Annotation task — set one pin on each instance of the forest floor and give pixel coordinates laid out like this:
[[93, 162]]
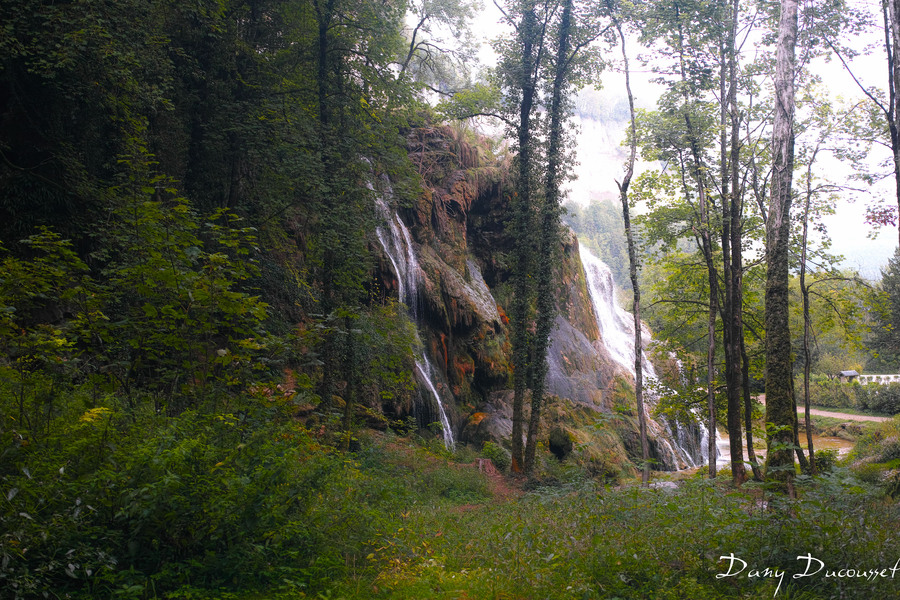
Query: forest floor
[[464, 531]]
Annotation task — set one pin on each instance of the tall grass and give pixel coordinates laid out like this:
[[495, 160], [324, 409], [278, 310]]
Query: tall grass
[[203, 511], [584, 541]]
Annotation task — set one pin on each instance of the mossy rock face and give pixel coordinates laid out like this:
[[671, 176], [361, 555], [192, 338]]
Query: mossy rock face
[[492, 422], [576, 369], [596, 443], [629, 431], [575, 300], [560, 443]]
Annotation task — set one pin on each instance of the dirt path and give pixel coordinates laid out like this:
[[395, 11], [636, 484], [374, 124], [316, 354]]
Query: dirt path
[[845, 416], [834, 414], [502, 488]]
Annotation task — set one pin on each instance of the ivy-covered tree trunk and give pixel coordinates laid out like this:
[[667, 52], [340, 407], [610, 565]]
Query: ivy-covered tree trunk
[[324, 16], [780, 412], [529, 36], [549, 232]]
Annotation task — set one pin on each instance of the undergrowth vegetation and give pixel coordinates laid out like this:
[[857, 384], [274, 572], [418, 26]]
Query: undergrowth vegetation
[[876, 397], [580, 540], [254, 505]]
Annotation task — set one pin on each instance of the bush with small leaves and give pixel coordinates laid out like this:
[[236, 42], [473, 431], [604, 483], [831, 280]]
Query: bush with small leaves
[[826, 459], [498, 455]]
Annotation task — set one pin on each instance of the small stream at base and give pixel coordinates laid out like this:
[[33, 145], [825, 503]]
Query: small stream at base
[[819, 443]]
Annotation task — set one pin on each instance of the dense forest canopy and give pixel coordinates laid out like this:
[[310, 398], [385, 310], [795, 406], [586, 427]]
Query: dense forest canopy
[[201, 321]]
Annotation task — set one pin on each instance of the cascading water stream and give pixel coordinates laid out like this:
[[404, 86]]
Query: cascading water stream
[[397, 244], [616, 327], [427, 374]]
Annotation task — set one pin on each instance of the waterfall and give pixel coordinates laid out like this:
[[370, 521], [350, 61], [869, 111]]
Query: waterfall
[[616, 327], [397, 244], [724, 451]]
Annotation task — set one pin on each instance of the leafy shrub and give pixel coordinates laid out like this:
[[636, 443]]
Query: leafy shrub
[[890, 449], [892, 484], [883, 398], [826, 459], [870, 473], [462, 485], [824, 391], [499, 455], [215, 500], [879, 444]]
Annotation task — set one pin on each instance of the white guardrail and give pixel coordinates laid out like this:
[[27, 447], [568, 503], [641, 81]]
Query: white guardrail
[[879, 378]]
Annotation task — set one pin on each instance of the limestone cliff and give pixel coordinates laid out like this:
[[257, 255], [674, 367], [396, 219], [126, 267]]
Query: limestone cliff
[[458, 230]]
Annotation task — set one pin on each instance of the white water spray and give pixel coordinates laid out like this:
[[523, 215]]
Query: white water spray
[[616, 327], [397, 244]]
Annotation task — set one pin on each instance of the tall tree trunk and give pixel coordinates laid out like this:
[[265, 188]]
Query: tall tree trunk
[[727, 308], [893, 50], [632, 269], [350, 371], [804, 291], [748, 412], [523, 228], [706, 247], [705, 243], [739, 352], [711, 361], [549, 235], [801, 458], [731, 217], [732, 325], [780, 413], [324, 85]]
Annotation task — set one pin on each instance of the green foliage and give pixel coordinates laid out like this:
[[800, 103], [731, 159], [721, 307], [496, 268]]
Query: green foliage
[[179, 320], [600, 226], [583, 542], [480, 99], [826, 460], [37, 348], [838, 320], [870, 473], [876, 457], [830, 392], [204, 506], [880, 443], [885, 304], [209, 500], [882, 398], [498, 455]]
